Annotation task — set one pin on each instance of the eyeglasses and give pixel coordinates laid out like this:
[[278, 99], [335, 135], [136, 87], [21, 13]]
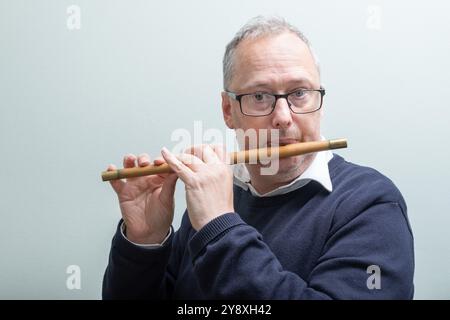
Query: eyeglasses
[[259, 104]]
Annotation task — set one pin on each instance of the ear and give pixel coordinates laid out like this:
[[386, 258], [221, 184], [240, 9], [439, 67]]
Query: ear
[[226, 110]]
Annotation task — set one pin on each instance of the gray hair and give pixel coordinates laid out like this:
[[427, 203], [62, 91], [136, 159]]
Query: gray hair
[[258, 27]]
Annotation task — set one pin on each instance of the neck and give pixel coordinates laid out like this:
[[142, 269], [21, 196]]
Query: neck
[[289, 170]]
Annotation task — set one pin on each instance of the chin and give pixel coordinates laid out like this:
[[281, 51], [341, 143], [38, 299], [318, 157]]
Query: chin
[[291, 165], [285, 168]]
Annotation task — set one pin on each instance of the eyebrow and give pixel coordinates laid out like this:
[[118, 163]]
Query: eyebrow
[[290, 83]]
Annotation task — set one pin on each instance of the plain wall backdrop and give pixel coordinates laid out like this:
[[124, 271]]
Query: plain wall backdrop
[[73, 101]]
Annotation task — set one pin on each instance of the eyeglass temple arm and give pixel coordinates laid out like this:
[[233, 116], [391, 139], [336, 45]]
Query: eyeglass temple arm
[[231, 94]]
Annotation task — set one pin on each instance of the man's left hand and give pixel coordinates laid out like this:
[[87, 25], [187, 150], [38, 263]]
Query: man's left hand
[[208, 180]]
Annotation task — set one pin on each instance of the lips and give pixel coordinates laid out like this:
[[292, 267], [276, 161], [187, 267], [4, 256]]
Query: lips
[[283, 142]]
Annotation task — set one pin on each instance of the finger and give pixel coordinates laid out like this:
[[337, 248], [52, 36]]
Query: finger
[[191, 161], [196, 150], [129, 161], [209, 155], [182, 171], [117, 185], [203, 152], [221, 152], [158, 161], [143, 160], [168, 188]]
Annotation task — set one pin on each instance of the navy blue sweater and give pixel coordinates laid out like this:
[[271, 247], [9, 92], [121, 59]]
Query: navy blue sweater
[[305, 244]]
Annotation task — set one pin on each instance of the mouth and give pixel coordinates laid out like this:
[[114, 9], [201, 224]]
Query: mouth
[[283, 142]]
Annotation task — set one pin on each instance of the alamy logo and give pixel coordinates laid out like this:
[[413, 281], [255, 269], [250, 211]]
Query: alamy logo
[[74, 18], [374, 280], [74, 279], [373, 21]]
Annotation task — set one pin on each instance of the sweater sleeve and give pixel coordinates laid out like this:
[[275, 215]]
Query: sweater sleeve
[[232, 261], [136, 272]]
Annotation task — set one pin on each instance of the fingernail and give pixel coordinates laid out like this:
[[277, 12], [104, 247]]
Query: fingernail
[[164, 150]]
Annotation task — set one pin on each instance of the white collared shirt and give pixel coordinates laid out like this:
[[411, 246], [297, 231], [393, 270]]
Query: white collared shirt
[[317, 171]]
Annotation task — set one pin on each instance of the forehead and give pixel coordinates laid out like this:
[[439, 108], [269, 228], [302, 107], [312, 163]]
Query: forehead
[[274, 61]]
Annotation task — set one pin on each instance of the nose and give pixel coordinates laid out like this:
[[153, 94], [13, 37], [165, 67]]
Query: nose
[[281, 115]]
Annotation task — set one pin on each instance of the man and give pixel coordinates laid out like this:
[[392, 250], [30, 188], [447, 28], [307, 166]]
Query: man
[[321, 228]]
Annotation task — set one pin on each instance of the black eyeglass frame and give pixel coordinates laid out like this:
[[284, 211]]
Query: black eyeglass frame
[[238, 97]]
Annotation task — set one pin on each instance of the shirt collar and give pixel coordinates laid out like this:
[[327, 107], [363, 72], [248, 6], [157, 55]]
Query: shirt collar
[[317, 171]]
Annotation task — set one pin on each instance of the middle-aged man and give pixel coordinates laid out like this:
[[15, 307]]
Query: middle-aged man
[[320, 228]]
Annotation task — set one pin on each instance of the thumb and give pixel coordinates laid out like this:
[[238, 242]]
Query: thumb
[[168, 188], [116, 184]]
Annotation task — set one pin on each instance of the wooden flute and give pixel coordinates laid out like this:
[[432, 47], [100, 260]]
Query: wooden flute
[[244, 156]]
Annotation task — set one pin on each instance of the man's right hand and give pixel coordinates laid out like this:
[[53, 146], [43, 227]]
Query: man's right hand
[[147, 203]]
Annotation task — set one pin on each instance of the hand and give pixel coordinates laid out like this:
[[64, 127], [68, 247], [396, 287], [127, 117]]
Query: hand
[[146, 203], [208, 180]]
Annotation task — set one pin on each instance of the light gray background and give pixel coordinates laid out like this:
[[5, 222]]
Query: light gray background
[[71, 102]]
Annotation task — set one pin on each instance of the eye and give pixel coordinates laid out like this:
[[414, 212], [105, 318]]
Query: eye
[[299, 93], [258, 96]]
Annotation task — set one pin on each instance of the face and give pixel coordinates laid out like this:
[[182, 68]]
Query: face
[[275, 64]]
